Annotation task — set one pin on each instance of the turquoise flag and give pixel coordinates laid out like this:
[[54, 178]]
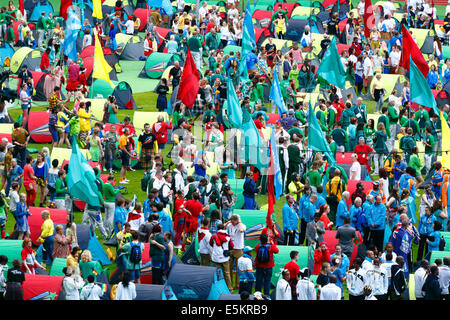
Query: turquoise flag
[[316, 137], [253, 149], [420, 90], [331, 68], [233, 106], [275, 93], [248, 41], [81, 178]]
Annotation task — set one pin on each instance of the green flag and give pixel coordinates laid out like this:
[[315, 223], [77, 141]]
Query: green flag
[[316, 137], [331, 69], [253, 149], [420, 90]]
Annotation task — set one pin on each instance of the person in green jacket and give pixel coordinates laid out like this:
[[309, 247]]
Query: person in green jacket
[[414, 125], [42, 26], [393, 119], [430, 143], [379, 145], [295, 129], [110, 204], [306, 79], [212, 43], [320, 114], [340, 136], [260, 89], [60, 190], [4, 16], [313, 176], [346, 115], [421, 116], [195, 47], [407, 143], [300, 113], [385, 120], [331, 115], [415, 163], [333, 145], [284, 84]]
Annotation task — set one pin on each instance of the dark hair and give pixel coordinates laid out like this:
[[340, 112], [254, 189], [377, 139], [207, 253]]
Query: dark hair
[[263, 238], [245, 295], [3, 259], [293, 254], [125, 279], [55, 163], [437, 225], [90, 278]]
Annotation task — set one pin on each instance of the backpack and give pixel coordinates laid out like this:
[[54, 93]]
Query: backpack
[[442, 244], [145, 181], [263, 254], [136, 253], [164, 200]]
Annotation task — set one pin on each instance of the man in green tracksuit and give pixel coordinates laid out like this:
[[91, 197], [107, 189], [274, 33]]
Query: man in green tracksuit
[[340, 136], [331, 116], [195, 46], [412, 123], [393, 120], [60, 190], [384, 119], [320, 115], [42, 27], [346, 115], [110, 203], [212, 43], [430, 143], [407, 142], [421, 116]]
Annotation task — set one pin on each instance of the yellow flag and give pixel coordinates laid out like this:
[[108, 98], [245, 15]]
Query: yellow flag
[[445, 143], [101, 67], [97, 9]]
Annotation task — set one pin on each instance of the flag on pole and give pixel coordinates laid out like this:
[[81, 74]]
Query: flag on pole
[[248, 41], [420, 90], [189, 83], [97, 9], [331, 68], [275, 93], [316, 137], [233, 106], [81, 178], [65, 4], [252, 147], [274, 166], [369, 19], [73, 26], [445, 143], [101, 66], [410, 49]]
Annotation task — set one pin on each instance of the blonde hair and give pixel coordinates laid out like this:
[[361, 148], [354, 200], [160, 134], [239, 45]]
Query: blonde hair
[[86, 256]]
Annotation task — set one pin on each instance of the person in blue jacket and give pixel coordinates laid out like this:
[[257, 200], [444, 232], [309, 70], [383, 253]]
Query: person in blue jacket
[[434, 239], [307, 192], [357, 215], [320, 198], [376, 220], [249, 191], [164, 218], [408, 181], [426, 222], [432, 77], [308, 212], [342, 209], [290, 220], [367, 208]]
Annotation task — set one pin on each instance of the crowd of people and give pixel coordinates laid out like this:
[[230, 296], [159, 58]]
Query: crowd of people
[[180, 207]]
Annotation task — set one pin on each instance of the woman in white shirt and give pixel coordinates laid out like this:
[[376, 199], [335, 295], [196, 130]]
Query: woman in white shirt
[[87, 39], [72, 284], [224, 34], [126, 290]]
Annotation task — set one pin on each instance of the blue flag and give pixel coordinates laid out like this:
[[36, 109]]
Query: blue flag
[[248, 42], [278, 182], [81, 178], [253, 150], [275, 93], [233, 106], [73, 26], [165, 5]]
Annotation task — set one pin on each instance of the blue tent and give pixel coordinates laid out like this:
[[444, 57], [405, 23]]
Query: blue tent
[[154, 292], [40, 7], [6, 51], [190, 282]]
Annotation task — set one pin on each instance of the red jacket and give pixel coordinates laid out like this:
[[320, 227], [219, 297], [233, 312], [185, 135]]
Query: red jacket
[[45, 62], [272, 249], [319, 258], [159, 129]]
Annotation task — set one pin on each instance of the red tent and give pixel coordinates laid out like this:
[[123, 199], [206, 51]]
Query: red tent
[[7, 136], [273, 118], [89, 51], [38, 127], [330, 239], [415, 106], [42, 287], [262, 14], [141, 13], [59, 216], [258, 33], [344, 157], [342, 24], [341, 47], [328, 3], [351, 187]]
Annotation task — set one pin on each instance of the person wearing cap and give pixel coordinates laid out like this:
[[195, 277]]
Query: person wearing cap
[[376, 191], [283, 289], [245, 270]]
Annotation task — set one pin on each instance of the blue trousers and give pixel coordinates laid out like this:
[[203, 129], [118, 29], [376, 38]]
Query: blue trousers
[[48, 250], [263, 277], [249, 203]]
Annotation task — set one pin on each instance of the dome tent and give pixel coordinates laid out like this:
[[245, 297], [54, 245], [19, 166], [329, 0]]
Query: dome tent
[[124, 96], [132, 47], [25, 56], [6, 51], [37, 7], [156, 63]]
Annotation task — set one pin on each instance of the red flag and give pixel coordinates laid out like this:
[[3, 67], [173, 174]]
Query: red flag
[[189, 83], [21, 7], [270, 190], [65, 4], [410, 49], [369, 19]]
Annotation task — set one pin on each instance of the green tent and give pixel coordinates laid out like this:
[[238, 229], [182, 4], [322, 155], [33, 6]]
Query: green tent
[[12, 249], [255, 221], [237, 185], [283, 257], [101, 89], [446, 236], [230, 48], [446, 52], [58, 265], [439, 255], [156, 63]]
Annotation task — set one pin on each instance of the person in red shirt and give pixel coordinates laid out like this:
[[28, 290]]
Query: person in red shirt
[[294, 270], [324, 210], [194, 208], [179, 219], [264, 268], [271, 233], [159, 129], [363, 150], [82, 81], [45, 61], [321, 255], [259, 122]]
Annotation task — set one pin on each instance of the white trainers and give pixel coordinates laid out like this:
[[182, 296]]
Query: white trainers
[[124, 182]]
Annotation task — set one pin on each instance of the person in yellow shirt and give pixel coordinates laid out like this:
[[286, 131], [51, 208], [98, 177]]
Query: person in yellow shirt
[[72, 261], [85, 122], [296, 187], [125, 155], [334, 188], [46, 237]]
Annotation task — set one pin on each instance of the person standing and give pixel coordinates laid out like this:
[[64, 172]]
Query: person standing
[[331, 291], [356, 281], [294, 270], [72, 284], [236, 230], [46, 236], [147, 140], [134, 250], [125, 156], [290, 220], [305, 287], [204, 235], [283, 289], [377, 278], [376, 220], [221, 244], [315, 231], [419, 279], [91, 291], [264, 263], [249, 191], [398, 280], [14, 281], [60, 190], [126, 289], [321, 255], [245, 270], [431, 288], [109, 204], [346, 233]]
